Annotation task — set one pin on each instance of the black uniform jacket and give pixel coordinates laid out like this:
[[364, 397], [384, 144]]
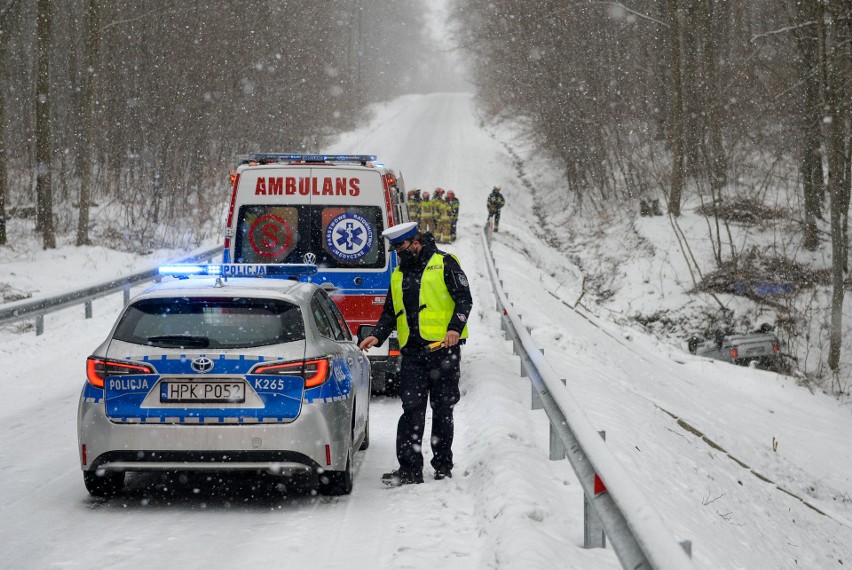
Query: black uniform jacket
[[412, 273]]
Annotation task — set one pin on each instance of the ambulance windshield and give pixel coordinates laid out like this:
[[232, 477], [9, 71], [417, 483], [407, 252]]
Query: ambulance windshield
[[338, 236]]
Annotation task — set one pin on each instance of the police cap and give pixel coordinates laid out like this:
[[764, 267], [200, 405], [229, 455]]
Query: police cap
[[401, 232]]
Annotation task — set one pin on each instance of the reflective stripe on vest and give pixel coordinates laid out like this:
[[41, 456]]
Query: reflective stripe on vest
[[435, 299]]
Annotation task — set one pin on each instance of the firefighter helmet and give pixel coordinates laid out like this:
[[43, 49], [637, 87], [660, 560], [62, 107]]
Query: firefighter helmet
[[451, 195], [439, 192], [424, 196]]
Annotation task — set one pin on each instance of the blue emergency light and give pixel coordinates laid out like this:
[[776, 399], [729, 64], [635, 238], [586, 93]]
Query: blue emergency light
[[279, 270], [282, 157]]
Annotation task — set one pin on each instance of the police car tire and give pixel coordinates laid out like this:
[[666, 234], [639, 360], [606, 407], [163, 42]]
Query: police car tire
[[366, 443], [337, 482], [103, 483]]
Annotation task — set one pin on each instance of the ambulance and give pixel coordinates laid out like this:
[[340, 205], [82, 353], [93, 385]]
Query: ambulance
[[328, 211]]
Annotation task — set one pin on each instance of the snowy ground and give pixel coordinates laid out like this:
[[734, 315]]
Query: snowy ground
[[750, 466]]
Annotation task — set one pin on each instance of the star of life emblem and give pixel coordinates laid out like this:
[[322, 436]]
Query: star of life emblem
[[349, 236]]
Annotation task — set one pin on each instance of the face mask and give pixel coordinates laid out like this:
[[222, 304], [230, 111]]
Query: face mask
[[406, 256]]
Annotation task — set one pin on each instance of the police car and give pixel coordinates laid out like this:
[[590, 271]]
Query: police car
[[230, 369]]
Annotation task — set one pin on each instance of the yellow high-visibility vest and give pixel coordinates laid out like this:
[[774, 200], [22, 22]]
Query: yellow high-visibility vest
[[435, 300]]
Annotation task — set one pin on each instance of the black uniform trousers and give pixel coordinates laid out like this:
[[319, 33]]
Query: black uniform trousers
[[433, 378]]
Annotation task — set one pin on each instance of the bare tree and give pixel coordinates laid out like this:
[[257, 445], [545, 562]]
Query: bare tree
[[808, 29], [838, 70], [6, 23], [92, 64], [675, 130], [44, 146]]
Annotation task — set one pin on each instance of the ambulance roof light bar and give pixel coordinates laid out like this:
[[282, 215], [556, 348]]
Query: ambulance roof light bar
[[272, 157], [274, 270]]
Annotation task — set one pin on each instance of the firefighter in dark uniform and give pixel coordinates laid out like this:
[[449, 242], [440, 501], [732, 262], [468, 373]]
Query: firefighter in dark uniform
[[428, 302]]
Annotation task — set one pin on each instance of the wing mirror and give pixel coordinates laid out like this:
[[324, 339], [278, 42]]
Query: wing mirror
[[364, 331]]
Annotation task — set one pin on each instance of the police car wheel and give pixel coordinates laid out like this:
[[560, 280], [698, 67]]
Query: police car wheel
[[366, 443], [103, 483], [337, 482]]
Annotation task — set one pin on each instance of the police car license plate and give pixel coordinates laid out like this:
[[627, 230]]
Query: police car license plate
[[207, 392]]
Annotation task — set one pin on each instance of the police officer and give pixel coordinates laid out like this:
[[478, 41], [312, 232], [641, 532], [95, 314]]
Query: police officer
[[428, 302]]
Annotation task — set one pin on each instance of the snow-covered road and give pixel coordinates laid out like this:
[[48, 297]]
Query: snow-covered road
[[507, 505]]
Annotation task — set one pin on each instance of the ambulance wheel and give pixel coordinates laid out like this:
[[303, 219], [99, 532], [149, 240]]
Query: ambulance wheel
[[100, 483], [391, 385]]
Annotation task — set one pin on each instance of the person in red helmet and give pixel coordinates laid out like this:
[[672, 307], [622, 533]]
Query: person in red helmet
[[441, 217], [427, 213], [495, 204], [414, 205], [453, 207]]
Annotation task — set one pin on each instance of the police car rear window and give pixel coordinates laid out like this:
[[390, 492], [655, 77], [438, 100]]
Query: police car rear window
[[210, 323], [336, 236]]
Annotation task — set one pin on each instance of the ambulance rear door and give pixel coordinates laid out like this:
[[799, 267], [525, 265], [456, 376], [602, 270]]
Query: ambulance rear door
[[330, 215]]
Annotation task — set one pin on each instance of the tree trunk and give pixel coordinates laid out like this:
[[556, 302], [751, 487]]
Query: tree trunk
[[676, 111], [813, 183], [716, 150], [44, 195], [837, 67], [5, 30], [86, 146]]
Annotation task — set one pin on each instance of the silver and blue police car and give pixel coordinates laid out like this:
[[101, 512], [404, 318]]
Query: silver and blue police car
[[227, 372]]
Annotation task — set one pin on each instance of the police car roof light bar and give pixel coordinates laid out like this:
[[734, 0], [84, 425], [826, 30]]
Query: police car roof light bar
[[269, 157], [279, 270]]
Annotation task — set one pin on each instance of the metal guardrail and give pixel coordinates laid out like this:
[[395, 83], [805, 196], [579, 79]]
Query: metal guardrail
[[36, 309], [614, 505]]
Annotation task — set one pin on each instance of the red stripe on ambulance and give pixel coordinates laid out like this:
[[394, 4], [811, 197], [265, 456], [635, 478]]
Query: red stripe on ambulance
[[292, 185]]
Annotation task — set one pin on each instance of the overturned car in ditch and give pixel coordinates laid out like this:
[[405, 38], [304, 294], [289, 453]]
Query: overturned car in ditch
[[760, 348]]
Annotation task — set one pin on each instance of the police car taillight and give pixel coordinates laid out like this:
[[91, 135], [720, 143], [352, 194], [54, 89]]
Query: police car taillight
[[734, 353], [315, 372], [97, 369]]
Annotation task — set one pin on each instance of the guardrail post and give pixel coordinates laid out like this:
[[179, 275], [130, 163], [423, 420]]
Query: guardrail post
[[88, 305], [594, 535], [126, 292], [687, 547], [535, 400], [39, 325], [557, 448]]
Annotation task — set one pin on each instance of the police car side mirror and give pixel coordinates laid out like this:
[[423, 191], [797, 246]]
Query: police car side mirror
[[364, 331]]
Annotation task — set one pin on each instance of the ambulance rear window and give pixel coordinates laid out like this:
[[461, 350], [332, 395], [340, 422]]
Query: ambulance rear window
[[339, 236]]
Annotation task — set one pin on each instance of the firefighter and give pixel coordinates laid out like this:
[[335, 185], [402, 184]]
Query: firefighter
[[414, 205], [427, 209], [429, 309], [495, 204], [441, 216], [453, 207]]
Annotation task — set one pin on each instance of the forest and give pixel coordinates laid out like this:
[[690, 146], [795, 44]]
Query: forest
[[139, 108], [648, 101]]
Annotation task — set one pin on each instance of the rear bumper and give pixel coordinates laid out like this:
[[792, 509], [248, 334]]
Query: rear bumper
[[281, 448]]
